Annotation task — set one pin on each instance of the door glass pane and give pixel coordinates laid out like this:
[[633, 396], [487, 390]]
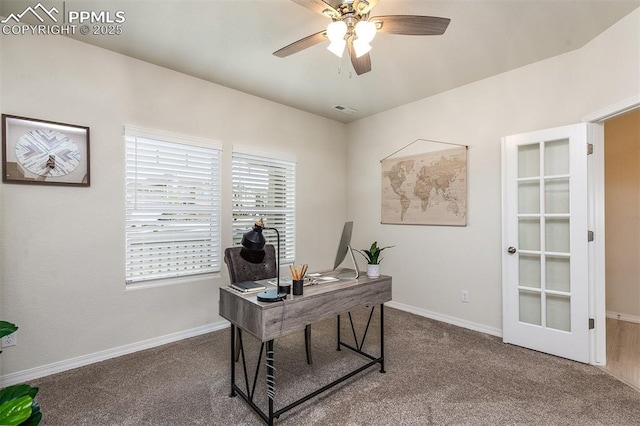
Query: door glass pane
[[557, 273], [556, 157], [529, 270], [529, 160], [556, 196], [557, 235], [530, 307], [529, 197], [529, 234], [559, 312]]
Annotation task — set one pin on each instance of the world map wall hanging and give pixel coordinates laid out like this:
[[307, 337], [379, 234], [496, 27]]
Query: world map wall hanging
[[426, 188]]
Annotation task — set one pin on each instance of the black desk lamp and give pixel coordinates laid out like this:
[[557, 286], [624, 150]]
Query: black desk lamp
[[254, 240]]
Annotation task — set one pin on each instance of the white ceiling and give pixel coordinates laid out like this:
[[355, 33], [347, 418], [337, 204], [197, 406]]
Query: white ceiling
[[230, 42]]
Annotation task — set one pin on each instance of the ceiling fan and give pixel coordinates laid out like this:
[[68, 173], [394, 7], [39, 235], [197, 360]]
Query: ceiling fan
[[352, 27]]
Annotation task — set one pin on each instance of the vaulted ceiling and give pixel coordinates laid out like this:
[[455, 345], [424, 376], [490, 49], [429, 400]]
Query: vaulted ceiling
[[230, 42]]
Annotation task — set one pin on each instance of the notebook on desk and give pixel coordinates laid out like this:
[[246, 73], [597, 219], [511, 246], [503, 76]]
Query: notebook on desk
[[248, 286]]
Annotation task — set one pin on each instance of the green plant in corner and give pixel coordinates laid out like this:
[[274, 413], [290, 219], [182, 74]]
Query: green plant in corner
[[17, 403], [373, 254]]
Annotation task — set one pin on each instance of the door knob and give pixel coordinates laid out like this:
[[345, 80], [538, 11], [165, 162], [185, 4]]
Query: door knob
[[511, 250]]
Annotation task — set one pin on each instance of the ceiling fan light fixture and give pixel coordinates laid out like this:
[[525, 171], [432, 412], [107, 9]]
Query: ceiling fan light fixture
[[361, 47], [366, 31], [336, 31], [352, 27], [362, 5], [337, 47], [329, 13]]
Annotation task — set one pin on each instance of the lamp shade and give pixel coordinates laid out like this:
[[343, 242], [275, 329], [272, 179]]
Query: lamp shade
[[254, 240], [365, 31], [361, 47], [336, 30], [337, 47]]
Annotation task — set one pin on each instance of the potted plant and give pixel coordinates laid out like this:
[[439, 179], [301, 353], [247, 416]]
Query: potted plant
[[17, 403], [373, 259]]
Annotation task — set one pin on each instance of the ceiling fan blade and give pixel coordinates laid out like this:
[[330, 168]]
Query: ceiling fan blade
[[362, 64], [411, 24], [364, 6], [301, 44], [320, 7]]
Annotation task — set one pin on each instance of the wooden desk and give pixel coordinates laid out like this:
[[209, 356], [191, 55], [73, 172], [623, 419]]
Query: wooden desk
[[268, 321]]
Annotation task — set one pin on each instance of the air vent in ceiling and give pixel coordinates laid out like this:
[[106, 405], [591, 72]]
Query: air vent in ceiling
[[345, 109]]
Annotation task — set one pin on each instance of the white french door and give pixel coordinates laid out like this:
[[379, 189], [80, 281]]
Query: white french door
[[545, 275]]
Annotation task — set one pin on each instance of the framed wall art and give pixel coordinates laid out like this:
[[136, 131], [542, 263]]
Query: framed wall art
[[428, 187], [44, 152]]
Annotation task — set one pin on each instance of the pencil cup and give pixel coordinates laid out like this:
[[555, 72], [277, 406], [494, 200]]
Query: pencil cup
[[297, 287]]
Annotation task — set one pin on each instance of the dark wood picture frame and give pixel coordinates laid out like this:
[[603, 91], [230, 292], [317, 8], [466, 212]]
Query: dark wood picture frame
[[42, 152]]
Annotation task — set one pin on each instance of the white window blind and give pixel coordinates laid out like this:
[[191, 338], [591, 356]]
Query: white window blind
[[265, 188], [172, 209]]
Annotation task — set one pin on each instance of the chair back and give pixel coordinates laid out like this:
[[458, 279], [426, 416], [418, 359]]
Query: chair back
[[247, 265]]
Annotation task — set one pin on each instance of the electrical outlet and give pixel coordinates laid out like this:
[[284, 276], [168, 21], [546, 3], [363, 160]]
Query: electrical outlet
[[464, 297], [10, 340]]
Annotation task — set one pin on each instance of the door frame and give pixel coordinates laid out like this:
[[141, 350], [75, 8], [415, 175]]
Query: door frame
[[596, 185]]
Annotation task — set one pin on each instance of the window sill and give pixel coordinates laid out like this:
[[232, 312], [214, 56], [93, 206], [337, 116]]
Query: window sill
[[164, 282]]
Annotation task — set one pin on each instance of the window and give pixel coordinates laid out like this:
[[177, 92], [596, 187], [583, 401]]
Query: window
[[264, 187], [172, 226]]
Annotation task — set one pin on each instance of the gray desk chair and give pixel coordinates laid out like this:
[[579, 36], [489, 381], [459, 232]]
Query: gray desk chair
[[247, 265]]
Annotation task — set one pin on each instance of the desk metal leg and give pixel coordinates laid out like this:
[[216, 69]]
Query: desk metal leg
[[307, 343], [382, 338], [359, 345], [233, 360], [249, 392], [272, 414], [271, 390], [338, 336]]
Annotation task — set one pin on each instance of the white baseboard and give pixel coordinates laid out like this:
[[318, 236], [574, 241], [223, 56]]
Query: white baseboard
[[81, 361], [69, 364], [623, 317], [446, 318]]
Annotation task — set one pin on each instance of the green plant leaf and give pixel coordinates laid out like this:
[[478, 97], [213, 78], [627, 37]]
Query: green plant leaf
[[36, 415], [7, 328], [15, 411], [363, 255], [17, 403], [17, 391], [373, 254]]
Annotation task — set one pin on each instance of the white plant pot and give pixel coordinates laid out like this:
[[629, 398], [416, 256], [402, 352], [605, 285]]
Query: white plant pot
[[373, 271]]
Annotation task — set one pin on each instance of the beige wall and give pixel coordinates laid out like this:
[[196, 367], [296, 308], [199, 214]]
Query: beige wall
[[622, 194], [431, 265], [62, 249]]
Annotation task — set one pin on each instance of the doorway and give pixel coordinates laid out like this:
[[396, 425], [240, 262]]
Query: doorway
[[622, 240], [597, 265], [545, 282]]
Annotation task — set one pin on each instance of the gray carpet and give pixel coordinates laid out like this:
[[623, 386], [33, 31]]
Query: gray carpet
[[436, 374]]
